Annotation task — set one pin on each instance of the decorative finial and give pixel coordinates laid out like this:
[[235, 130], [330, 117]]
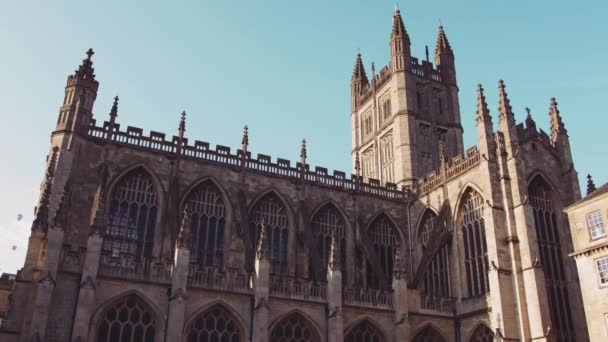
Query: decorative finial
[[530, 123], [396, 7], [557, 125], [590, 184], [483, 113], [182, 125], [357, 164], [90, 53], [426, 50], [505, 110]]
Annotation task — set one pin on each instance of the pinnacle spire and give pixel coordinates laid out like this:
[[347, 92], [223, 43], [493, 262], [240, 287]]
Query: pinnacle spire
[[359, 71], [483, 113], [398, 26], [557, 125], [245, 140], [114, 110], [85, 70], [183, 239], [333, 261], [590, 184], [357, 165], [504, 106], [303, 154], [182, 124], [443, 45]]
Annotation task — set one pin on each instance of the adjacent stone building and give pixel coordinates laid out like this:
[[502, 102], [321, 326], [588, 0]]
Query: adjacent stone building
[[148, 237], [588, 219]]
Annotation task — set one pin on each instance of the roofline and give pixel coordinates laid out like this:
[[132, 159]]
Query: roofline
[[584, 201]]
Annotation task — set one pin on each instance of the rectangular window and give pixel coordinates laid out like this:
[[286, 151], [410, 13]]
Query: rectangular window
[[596, 225], [602, 270]]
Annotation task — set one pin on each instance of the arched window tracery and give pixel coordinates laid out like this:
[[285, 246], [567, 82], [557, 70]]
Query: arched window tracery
[[129, 234], [215, 324], [385, 241], [364, 332], [129, 319], [482, 334], [328, 221], [475, 244], [436, 281], [294, 328], [271, 213], [547, 233], [428, 334], [207, 225]]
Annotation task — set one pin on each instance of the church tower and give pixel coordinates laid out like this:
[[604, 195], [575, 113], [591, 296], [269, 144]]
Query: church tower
[[402, 115]]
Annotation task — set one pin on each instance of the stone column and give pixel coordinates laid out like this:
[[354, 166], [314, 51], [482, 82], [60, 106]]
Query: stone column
[[334, 295], [401, 325], [179, 283], [86, 294], [261, 289]]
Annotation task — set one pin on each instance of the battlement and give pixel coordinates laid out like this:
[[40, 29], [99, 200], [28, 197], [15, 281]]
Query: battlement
[[222, 155], [454, 168], [530, 133], [424, 70]]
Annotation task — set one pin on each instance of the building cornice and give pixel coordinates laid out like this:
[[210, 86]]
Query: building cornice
[[590, 250]]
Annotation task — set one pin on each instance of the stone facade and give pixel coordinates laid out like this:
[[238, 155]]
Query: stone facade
[[588, 219], [160, 238]]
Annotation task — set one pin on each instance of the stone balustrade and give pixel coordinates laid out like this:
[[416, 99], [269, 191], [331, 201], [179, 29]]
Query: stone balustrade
[[211, 278], [294, 288], [146, 270], [368, 298], [441, 304]]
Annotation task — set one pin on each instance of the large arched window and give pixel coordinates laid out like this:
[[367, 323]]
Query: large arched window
[[436, 281], [547, 233], [129, 319], [482, 334], [271, 213], [428, 334], [328, 221], [385, 241], [364, 332], [129, 235], [294, 328], [215, 324], [207, 223], [475, 245]]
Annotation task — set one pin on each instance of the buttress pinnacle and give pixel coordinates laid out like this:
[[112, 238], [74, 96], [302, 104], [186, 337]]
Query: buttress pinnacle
[[359, 71], [504, 106], [483, 113], [443, 45], [398, 26], [85, 70], [590, 184], [557, 125]]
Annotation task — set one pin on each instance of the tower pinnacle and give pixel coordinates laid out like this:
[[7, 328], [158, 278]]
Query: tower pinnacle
[[85, 70], [590, 184], [398, 26], [443, 45], [483, 113], [557, 125], [504, 106], [359, 71]]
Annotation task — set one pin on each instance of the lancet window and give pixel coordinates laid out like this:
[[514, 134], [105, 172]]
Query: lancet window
[[475, 244], [482, 334], [215, 324], [271, 213], [547, 231], [129, 234], [364, 332], [385, 241], [207, 224], [129, 319], [437, 276], [328, 221], [386, 150], [428, 334], [294, 328]]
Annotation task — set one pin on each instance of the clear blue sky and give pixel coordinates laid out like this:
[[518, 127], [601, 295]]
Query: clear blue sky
[[283, 68]]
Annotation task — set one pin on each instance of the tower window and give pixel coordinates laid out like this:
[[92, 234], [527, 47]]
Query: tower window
[[602, 270], [596, 225]]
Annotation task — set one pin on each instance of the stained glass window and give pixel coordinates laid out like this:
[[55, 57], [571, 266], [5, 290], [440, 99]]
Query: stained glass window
[[293, 328], [128, 320], [475, 245], [215, 325], [271, 212]]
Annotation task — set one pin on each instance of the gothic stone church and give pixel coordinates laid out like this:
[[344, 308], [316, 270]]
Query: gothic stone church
[[147, 237]]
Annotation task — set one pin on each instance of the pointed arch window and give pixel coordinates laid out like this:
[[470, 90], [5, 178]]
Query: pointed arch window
[[271, 212], [207, 225], [475, 244], [215, 324], [428, 334], [482, 334], [385, 241], [547, 234], [364, 332], [294, 328], [129, 235], [436, 281], [129, 319], [328, 221]]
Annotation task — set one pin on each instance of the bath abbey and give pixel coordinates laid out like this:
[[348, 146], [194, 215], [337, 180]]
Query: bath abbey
[[146, 237]]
